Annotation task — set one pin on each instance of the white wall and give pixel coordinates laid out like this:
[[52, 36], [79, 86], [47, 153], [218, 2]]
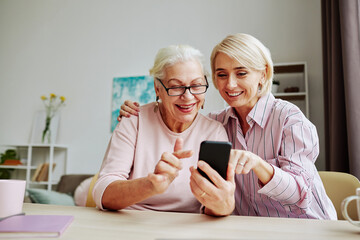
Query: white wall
[[75, 48]]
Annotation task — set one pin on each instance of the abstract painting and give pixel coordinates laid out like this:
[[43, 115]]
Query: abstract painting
[[138, 88]]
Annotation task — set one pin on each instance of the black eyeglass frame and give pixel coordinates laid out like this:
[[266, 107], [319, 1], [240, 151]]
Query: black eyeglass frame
[[185, 88]]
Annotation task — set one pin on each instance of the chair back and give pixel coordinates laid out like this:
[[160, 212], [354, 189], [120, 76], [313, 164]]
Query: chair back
[[89, 200], [338, 186]]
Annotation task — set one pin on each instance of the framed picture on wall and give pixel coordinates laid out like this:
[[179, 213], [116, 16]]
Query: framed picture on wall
[[137, 88]]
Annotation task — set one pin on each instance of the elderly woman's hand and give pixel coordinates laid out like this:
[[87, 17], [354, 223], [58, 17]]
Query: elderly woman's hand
[[167, 169], [246, 161], [127, 109], [218, 198]]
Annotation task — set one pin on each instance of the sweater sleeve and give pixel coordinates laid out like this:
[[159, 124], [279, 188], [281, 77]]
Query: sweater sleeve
[[118, 158]]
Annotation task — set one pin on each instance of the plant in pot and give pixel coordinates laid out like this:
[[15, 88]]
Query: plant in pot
[[9, 154], [275, 86]]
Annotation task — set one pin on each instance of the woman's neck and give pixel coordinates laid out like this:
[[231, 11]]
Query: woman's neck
[[241, 115], [242, 112]]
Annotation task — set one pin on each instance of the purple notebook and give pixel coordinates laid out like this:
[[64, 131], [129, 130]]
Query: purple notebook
[[34, 226]]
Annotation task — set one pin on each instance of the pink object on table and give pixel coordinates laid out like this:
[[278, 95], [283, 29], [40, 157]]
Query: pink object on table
[[12, 197], [35, 225]]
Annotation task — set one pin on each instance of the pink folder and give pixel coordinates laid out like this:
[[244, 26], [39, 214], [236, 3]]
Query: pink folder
[[34, 226]]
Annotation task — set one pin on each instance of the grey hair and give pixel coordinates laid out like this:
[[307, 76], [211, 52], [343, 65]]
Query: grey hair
[[250, 53], [172, 54]]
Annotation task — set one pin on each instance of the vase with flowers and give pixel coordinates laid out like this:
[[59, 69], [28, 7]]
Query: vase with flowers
[[52, 105]]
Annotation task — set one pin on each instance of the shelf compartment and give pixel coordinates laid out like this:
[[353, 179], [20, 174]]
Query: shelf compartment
[[285, 68], [293, 74], [35, 155]]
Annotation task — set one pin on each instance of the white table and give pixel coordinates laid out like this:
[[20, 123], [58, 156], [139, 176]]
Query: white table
[[91, 223]]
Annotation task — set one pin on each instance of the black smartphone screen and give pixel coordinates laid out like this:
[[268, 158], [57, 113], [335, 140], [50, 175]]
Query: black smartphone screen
[[216, 154]]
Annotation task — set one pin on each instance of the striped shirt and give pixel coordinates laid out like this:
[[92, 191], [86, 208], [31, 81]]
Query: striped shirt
[[281, 135]]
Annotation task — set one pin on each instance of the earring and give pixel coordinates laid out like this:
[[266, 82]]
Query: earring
[[202, 107], [259, 89], [156, 104]]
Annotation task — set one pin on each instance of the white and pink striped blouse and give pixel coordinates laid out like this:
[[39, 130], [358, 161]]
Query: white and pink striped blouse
[[281, 135]]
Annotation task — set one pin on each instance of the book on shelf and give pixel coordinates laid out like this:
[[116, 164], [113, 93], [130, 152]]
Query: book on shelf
[[42, 172], [34, 226], [36, 174]]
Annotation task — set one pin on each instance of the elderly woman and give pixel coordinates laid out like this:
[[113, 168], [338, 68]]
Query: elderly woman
[[275, 144], [145, 165]]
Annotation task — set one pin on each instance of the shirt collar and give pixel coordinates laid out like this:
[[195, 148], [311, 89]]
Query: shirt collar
[[230, 113], [259, 113], [262, 110]]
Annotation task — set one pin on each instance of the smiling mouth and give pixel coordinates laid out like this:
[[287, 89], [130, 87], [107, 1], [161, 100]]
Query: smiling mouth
[[186, 106], [234, 94]]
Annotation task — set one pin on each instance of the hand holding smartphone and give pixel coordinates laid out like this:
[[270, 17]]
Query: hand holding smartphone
[[216, 154]]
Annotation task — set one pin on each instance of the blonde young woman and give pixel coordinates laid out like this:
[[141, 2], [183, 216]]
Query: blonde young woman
[[146, 165], [275, 145]]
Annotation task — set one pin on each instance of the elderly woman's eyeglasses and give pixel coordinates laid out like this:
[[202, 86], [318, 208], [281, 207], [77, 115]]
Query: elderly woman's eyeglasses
[[178, 91]]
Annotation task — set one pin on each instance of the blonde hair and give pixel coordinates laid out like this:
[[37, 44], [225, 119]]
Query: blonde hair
[[172, 54], [250, 53]]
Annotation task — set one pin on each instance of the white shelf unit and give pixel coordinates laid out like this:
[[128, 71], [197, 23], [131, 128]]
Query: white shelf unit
[[35, 155], [293, 74]]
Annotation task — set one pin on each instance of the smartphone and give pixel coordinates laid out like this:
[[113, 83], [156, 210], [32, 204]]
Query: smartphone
[[216, 154]]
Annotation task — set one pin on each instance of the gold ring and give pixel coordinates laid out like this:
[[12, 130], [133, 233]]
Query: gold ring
[[203, 194]]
